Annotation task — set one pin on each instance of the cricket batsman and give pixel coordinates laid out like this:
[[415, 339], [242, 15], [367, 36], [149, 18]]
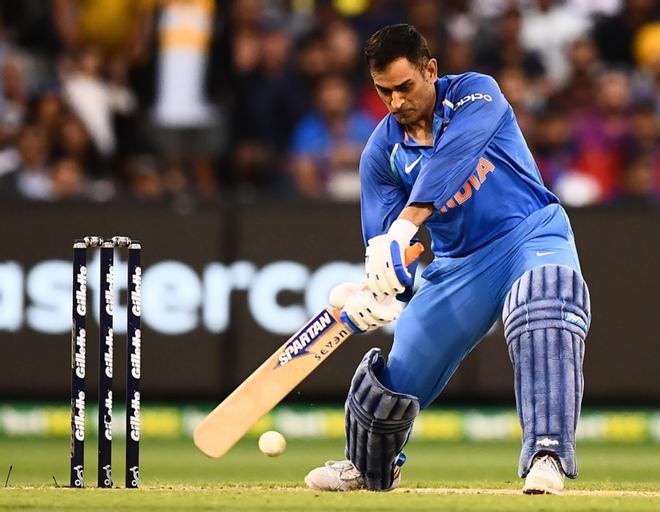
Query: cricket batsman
[[450, 156]]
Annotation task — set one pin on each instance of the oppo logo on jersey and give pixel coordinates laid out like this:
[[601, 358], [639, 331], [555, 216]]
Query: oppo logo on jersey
[[473, 183], [473, 97]]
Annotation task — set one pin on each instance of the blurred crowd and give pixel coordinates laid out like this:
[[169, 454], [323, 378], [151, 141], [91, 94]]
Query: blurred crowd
[[167, 99]]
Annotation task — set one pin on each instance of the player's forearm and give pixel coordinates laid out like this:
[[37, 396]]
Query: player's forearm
[[417, 213], [404, 228]]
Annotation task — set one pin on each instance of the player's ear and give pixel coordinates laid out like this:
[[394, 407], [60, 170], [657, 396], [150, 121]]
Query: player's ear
[[431, 70]]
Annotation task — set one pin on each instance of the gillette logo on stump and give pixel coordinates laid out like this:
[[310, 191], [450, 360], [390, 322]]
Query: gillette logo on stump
[[80, 353], [136, 294], [81, 292], [110, 291], [134, 420], [136, 354], [79, 417], [107, 419]]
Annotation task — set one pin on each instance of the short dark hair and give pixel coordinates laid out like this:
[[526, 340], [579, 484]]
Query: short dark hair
[[393, 42]]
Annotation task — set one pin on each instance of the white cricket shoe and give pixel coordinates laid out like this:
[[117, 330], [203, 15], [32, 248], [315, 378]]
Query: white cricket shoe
[[341, 476], [544, 477]]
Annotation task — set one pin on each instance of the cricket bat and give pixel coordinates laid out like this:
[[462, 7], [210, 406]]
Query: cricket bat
[[269, 384]]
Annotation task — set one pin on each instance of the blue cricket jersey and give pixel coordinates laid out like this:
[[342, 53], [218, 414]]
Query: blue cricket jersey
[[479, 174]]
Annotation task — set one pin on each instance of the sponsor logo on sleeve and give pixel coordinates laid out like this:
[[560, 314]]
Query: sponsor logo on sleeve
[[473, 97]]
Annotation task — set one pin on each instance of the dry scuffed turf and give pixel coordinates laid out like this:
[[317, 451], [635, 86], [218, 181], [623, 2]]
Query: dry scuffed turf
[[438, 476]]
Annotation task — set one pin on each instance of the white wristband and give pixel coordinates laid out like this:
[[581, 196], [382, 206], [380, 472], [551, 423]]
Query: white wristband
[[402, 231]]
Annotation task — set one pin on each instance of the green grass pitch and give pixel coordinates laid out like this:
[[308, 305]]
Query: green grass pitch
[[437, 476]]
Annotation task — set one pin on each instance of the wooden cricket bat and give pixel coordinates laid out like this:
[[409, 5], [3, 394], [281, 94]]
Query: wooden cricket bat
[[269, 384]]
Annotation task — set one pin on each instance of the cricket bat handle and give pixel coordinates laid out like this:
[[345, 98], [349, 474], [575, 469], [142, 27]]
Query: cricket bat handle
[[413, 252]]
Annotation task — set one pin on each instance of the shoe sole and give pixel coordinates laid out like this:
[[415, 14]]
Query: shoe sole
[[311, 485], [535, 490], [540, 488]]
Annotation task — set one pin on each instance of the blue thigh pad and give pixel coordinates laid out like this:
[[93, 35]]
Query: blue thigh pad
[[546, 319], [378, 423]]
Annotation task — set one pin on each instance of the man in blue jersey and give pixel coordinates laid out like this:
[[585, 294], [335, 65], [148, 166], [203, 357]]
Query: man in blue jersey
[[450, 156]]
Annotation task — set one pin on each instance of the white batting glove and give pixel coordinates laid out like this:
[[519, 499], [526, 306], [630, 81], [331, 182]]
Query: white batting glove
[[340, 293], [387, 274], [363, 312]]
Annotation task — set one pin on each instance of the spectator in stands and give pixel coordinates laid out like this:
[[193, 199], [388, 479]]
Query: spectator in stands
[[30, 178], [595, 7], [641, 181], [189, 128], [29, 25], [344, 51], [47, 111], [426, 16], [326, 145], [523, 97], [67, 179], [94, 100], [645, 137], [548, 28], [74, 142], [14, 99], [456, 57], [268, 112], [250, 157], [502, 48], [144, 179], [461, 21], [376, 15], [580, 86], [601, 132], [28, 28], [118, 28], [614, 34], [647, 58], [553, 147]]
